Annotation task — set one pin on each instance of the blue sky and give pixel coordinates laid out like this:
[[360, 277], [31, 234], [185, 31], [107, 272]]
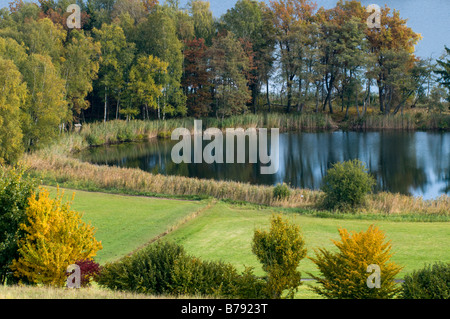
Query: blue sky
[[430, 18]]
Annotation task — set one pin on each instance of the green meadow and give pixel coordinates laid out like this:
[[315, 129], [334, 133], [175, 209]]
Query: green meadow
[[126, 223], [223, 231]]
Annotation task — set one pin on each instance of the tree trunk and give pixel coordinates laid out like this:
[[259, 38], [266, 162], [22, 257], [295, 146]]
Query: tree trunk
[[289, 95], [106, 104], [267, 93], [117, 108], [317, 98], [357, 106]]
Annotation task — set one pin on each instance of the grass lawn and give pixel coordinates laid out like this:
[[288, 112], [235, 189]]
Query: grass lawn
[[125, 223], [225, 232]]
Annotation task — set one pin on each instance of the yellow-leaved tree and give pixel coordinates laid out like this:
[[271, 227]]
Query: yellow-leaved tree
[[347, 271], [55, 237]]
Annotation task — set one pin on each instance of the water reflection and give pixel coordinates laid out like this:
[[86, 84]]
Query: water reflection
[[415, 163]]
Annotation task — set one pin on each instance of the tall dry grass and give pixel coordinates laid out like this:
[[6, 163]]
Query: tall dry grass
[[55, 162], [94, 292], [117, 131], [70, 172]]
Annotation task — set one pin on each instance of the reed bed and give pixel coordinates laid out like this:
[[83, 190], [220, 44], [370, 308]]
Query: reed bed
[[56, 162], [407, 121], [70, 172], [117, 131]]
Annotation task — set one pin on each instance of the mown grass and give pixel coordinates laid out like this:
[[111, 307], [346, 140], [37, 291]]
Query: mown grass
[[126, 223], [225, 232]]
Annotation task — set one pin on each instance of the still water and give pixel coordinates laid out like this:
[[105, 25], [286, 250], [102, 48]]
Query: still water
[[414, 163]]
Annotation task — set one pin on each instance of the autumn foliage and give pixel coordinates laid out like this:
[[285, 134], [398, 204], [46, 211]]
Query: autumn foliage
[[55, 237], [344, 272]]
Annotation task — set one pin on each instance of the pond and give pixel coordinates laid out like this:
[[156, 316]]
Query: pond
[[413, 163]]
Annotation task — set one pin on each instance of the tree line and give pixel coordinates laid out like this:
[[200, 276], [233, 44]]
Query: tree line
[[149, 60]]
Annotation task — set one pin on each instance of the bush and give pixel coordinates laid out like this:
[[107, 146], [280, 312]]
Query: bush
[[149, 270], [280, 251], [55, 238], [249, 286], [164, 268], [164, 134], [344, 273], [346, 185], [281, 191], [125, 134], [431, 282], [95, 140], [89, 271], [192, 276], [15, 190]]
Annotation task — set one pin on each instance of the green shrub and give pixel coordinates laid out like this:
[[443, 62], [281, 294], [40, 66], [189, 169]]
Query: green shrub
[[192, 276], [125, 134], [346, 185], [146, 271], [15, 189], [165, 268], [249, 286], [281, 191], [431, 282], [164, 134], [280, 251], [94, 140]]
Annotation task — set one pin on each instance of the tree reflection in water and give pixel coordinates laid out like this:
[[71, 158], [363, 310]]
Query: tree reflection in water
[[414, 163]]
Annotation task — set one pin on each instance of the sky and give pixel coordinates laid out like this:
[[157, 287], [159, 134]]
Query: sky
[[429, 18]]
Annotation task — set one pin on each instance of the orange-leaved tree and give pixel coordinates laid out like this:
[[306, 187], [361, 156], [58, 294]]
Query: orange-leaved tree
[[346, 273], [55, 237]]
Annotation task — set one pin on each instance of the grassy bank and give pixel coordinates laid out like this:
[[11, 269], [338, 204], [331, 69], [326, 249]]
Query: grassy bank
[[223, 231], [72, 173]]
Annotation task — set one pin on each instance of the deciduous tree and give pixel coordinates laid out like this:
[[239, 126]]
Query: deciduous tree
[[229, 63], [196, 78], [117, 55], [146, 83], [79, 70], [55, 237], [13, 93]]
